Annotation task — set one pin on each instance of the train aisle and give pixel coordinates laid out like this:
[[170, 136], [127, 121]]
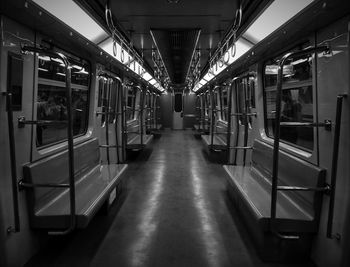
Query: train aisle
[[176, 213]]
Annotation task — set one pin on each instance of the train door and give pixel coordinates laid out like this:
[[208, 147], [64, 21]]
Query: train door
[[109, 119], [244, 122], [189, 107], [178, 111], [16, 83]]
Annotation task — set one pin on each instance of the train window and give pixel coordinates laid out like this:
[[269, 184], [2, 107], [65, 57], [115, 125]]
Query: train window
[[178, 103], [240, 101], [224, 103], [15, 79], [207, 103], [217, 104], [251, 92], [52, 101], [297, 100], [112, 99], [130, 103]]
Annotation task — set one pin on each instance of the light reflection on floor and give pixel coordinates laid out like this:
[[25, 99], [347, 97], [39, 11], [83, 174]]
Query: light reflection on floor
[[207, 230], [148, 221]]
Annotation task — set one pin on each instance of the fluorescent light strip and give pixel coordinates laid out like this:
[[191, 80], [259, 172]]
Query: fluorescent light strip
[[274, 16], [75, 17]]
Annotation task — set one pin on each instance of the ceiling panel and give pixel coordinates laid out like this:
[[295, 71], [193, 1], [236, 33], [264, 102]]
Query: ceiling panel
[[138, 17]]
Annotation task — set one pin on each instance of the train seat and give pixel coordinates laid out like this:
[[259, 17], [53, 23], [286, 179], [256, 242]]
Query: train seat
[[50, 207], [218, 142], [297, 212], [136, 144]]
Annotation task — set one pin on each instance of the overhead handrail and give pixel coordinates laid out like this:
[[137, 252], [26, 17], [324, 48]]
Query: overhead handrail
[[12, 143], [274, 186], [72, 221], [334, 169]]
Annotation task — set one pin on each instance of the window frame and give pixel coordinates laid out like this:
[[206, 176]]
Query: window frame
[[132, 115], [298, 150], [72, 59]]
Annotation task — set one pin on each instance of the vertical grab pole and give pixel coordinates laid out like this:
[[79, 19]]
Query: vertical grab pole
[[334, 165], [117, 114], [141, 114], [245, 81], [17, 227], [276, 143], [70, 144], [278, 123], [212, 115], [69, 134], [107, 112], [229, 117], [123, 120], [235, 81], [70, 148]]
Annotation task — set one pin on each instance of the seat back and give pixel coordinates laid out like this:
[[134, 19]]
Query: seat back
[[292, 171], [54, 169]]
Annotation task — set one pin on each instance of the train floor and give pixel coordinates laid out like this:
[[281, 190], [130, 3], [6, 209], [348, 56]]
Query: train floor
[[174, 211]]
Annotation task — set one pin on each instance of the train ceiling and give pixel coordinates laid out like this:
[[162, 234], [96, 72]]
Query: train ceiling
[[175, 24]]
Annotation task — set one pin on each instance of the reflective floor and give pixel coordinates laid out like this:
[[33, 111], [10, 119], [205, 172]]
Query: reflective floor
[[174, 211]]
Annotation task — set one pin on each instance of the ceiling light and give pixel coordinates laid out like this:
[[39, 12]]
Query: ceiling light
[[75, 17], [274, 16]]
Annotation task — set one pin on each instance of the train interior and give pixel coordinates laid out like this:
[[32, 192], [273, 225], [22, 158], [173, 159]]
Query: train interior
[[174, 133]]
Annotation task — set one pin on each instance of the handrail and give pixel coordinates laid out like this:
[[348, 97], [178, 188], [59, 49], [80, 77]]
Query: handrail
[[142, 99], [118, 115], [69, 134], [212, 115], [229, 110], [107, 86], [123, 120], [334, 166], [12, 144], [275, 157], [22, 121]]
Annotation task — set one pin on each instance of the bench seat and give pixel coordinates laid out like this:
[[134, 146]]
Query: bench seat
[[218, 143], [135, 142], [49, 207], [297, 213], [255, 195]]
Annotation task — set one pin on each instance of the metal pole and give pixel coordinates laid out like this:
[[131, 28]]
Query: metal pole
[[13, 165], [277, 126], [334, 165]]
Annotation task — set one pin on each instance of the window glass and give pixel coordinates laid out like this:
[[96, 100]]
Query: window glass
[[207, 103], [241, 101], [224, 103], [52, 101], [216, 99], [178, 103], [130, 103], [297, 100], [15, 79]]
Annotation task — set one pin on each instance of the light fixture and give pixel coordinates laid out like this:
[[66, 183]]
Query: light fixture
[[75, 17], [274, 16]]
